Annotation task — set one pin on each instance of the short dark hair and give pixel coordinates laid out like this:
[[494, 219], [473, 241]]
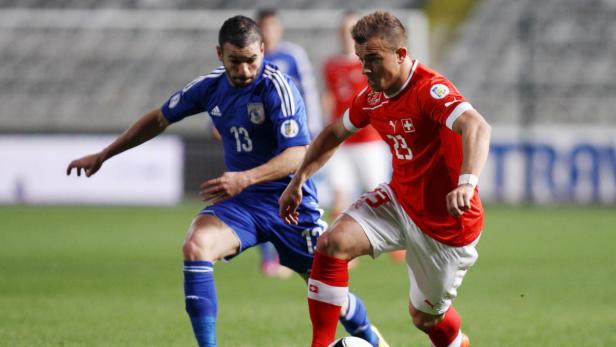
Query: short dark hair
[[383, 25], [239, 31]]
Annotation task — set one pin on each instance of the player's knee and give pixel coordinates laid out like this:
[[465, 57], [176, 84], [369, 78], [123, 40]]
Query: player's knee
[[191, 250], [198, 246], [423, 321], [333, 244]]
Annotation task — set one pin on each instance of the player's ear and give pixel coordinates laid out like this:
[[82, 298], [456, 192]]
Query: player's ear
[[262, 47], [401, 54], [219, 52]]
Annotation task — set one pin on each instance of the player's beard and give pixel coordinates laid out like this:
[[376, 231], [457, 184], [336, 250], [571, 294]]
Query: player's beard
[[242, 81], [375, 85]]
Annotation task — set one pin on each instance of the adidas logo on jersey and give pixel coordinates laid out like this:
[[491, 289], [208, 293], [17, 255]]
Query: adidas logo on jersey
[[216, 111]]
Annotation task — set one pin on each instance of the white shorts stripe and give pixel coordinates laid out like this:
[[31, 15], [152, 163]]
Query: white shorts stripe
[[320, 291]]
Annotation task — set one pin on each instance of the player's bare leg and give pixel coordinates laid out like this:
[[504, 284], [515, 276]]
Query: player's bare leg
[[208, 240], [443, 330], [328, 283], [340, 204]]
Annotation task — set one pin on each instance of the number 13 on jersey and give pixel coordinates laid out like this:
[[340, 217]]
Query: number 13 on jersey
[[243, 143]]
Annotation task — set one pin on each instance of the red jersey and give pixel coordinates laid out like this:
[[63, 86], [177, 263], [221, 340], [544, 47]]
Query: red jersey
[[344, 79], [416, 123]]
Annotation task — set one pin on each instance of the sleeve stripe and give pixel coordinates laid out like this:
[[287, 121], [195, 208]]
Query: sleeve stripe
[[285, 111], [215, 73], [346, 120], [284, 90], [457, 112], [287, 88]]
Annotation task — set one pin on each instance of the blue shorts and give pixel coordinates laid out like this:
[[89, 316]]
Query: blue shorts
[[254, 219]]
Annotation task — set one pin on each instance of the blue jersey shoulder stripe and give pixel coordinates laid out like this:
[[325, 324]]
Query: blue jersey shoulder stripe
[[285, 110], [284, 90], [215, 73], [285, 87]]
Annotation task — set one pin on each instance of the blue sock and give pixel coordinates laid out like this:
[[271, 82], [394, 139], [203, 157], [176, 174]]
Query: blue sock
[[356, 321], [201, 300]]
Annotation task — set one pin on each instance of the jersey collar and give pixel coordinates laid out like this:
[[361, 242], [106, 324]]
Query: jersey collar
[[408, 79]]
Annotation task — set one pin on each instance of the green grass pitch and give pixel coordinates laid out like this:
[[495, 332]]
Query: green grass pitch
[[111, 276]]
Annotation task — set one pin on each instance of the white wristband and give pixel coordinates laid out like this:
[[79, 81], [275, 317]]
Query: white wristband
[[468, 179]]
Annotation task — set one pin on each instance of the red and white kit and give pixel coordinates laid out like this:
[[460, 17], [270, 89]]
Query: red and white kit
[[417, 123]]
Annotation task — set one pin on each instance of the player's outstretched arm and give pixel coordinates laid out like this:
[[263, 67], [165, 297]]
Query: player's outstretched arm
[[232, 183], [147, 127], [319, 152], [475, 133]]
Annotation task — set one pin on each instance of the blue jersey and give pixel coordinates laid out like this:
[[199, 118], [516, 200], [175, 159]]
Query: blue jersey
[[256, 122], [293, 60]]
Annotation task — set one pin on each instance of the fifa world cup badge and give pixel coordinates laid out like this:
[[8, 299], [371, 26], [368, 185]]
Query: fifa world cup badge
[[289, 128], [256, 112], [439, 91]]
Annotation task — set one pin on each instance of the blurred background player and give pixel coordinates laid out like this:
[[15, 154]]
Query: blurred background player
[[291, 59], [363, 160], [261, 118], [431, 207]]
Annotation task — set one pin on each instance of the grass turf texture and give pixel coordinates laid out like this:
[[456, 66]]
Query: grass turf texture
[[112, 276]]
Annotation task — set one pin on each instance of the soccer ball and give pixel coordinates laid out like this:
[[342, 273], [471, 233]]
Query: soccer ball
[[350, 341]]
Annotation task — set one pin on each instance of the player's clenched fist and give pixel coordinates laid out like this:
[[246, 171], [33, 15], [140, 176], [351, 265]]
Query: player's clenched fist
[[90, 164], [459, 199], [289, 201]]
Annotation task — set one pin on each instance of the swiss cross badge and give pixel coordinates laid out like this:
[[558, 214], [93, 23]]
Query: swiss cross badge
[[407, 125]]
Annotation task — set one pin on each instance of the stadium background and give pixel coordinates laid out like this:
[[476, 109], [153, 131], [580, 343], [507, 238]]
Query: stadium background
[[73, 74]]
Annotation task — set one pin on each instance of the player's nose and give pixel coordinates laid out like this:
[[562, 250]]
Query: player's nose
[[244, 70]]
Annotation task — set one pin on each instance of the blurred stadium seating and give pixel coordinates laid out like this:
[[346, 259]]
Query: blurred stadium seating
[[89, 66], [74, 70], [94, 67], [529, 62]]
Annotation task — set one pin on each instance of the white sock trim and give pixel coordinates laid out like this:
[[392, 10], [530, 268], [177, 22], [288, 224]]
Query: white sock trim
[[320, 291], [352, 306], [457, 341]]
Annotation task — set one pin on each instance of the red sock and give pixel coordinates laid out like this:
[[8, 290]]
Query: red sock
[[328, 286], [446, 331]]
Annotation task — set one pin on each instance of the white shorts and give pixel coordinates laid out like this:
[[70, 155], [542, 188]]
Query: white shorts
[[357, 167], [435, 270]]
